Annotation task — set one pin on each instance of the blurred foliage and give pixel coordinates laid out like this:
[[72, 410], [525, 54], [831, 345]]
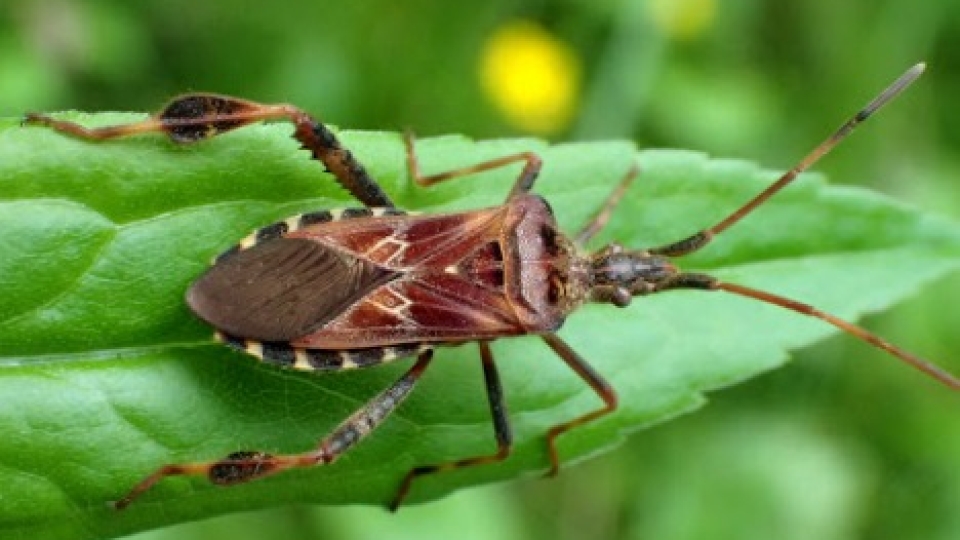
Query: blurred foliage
[[841, 444]]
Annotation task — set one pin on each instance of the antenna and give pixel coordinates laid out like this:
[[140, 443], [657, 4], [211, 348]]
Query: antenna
[[697, 241], [823, 148]]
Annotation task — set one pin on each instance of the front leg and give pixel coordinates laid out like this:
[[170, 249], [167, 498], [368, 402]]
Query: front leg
[[194, 117]]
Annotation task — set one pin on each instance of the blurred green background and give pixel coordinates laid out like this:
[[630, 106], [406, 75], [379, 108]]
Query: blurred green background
[[841, 444]]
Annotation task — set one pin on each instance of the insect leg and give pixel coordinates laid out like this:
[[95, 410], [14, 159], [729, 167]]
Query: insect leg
[[245, 466], [600, 220], [501, 430], [194, 117], [523, 184], [592, 378]]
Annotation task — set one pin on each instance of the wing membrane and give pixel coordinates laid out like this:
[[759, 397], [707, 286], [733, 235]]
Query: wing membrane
[[281, 289]]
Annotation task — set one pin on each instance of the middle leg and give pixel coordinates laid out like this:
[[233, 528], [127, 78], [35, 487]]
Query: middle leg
[[524, 183], [501, 430]]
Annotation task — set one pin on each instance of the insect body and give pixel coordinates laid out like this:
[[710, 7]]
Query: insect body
[[379, 278], [331, 290]]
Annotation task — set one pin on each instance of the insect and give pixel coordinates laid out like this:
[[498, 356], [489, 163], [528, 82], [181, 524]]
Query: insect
[[338, 289]]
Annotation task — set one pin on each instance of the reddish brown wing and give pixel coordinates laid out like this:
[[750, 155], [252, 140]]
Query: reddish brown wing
[[447, 282], [409, 243], [281, 289]]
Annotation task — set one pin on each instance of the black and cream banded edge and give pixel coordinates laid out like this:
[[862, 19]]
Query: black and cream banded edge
[[286, 355], [300, 221]]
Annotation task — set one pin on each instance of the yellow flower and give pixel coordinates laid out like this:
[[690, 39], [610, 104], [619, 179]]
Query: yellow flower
[[532, 77], [682, 19]]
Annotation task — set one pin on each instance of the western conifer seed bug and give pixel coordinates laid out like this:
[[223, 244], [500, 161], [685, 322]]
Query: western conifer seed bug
[[339, 289]]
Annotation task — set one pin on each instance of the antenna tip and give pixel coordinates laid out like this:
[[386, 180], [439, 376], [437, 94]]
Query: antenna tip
[[908, 77]]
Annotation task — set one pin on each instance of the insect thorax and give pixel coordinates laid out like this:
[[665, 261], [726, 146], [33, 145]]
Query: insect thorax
[[550, 279]]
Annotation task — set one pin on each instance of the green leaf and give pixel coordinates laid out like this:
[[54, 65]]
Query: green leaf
[[105, 374]]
